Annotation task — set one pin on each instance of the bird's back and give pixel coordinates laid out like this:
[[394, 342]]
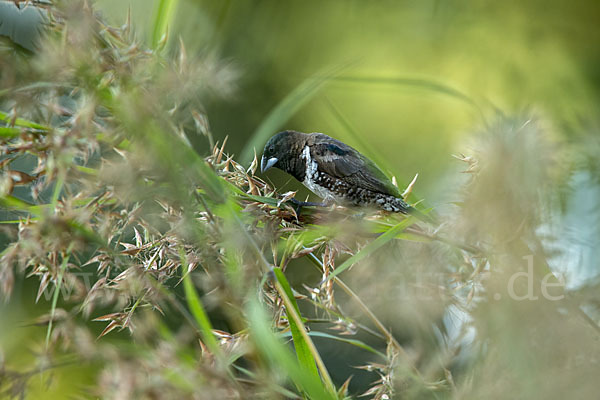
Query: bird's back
[[341, 161]]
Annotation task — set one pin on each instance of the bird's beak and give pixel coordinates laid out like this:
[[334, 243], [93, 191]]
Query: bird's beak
[[265, 163]]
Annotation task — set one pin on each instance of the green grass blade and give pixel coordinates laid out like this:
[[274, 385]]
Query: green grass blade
[[302, 349], [15, 204], [419, 83], [351, 132], [353, 342], [87, 170], [305, 348], [165, 14], [23, 122], [9, 132], [374, 245], [271, 348], [414, 82]]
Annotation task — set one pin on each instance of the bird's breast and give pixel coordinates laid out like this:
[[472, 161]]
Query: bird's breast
[[321, 184]]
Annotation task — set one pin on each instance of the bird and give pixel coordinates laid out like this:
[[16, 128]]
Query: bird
[[334, 171]]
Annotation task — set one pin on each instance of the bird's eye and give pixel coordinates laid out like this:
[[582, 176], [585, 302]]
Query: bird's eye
[[271, 149]]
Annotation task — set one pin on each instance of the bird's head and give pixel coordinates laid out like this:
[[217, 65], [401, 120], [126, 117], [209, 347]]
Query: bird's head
[[281, 149]]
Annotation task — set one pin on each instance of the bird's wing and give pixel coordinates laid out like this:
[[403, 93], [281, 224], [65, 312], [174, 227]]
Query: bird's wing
[[342, 161]]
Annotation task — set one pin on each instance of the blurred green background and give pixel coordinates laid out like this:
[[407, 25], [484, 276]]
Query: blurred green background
[[416, 77]]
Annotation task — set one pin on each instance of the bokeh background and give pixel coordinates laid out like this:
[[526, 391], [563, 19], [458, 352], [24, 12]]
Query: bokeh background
[[414, 79], [408, 83]]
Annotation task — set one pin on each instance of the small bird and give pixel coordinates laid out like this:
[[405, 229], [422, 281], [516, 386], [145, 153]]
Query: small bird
[[334, 171]]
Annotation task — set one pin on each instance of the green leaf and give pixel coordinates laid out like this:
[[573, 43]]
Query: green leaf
[[374, 245]]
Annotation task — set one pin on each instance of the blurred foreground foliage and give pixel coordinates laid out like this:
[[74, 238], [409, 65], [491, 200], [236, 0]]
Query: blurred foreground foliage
[[193, 255]]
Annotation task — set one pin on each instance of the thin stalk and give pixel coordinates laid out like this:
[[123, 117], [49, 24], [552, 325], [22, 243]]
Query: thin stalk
[[388, 335], [61, 271]]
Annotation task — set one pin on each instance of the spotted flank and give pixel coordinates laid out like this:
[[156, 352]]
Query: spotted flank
[[330, 189]]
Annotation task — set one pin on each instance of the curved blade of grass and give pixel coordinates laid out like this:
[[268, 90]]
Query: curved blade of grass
[[165, 13], [285, 110], [420, 83], [347, 126], [353, 342], [374, 245], [292, 310], [23, 122], [15, 204], [415, 82], [271, 348]]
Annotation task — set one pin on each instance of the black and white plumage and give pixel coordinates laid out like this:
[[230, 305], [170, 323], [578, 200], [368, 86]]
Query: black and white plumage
[[333, 171]]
